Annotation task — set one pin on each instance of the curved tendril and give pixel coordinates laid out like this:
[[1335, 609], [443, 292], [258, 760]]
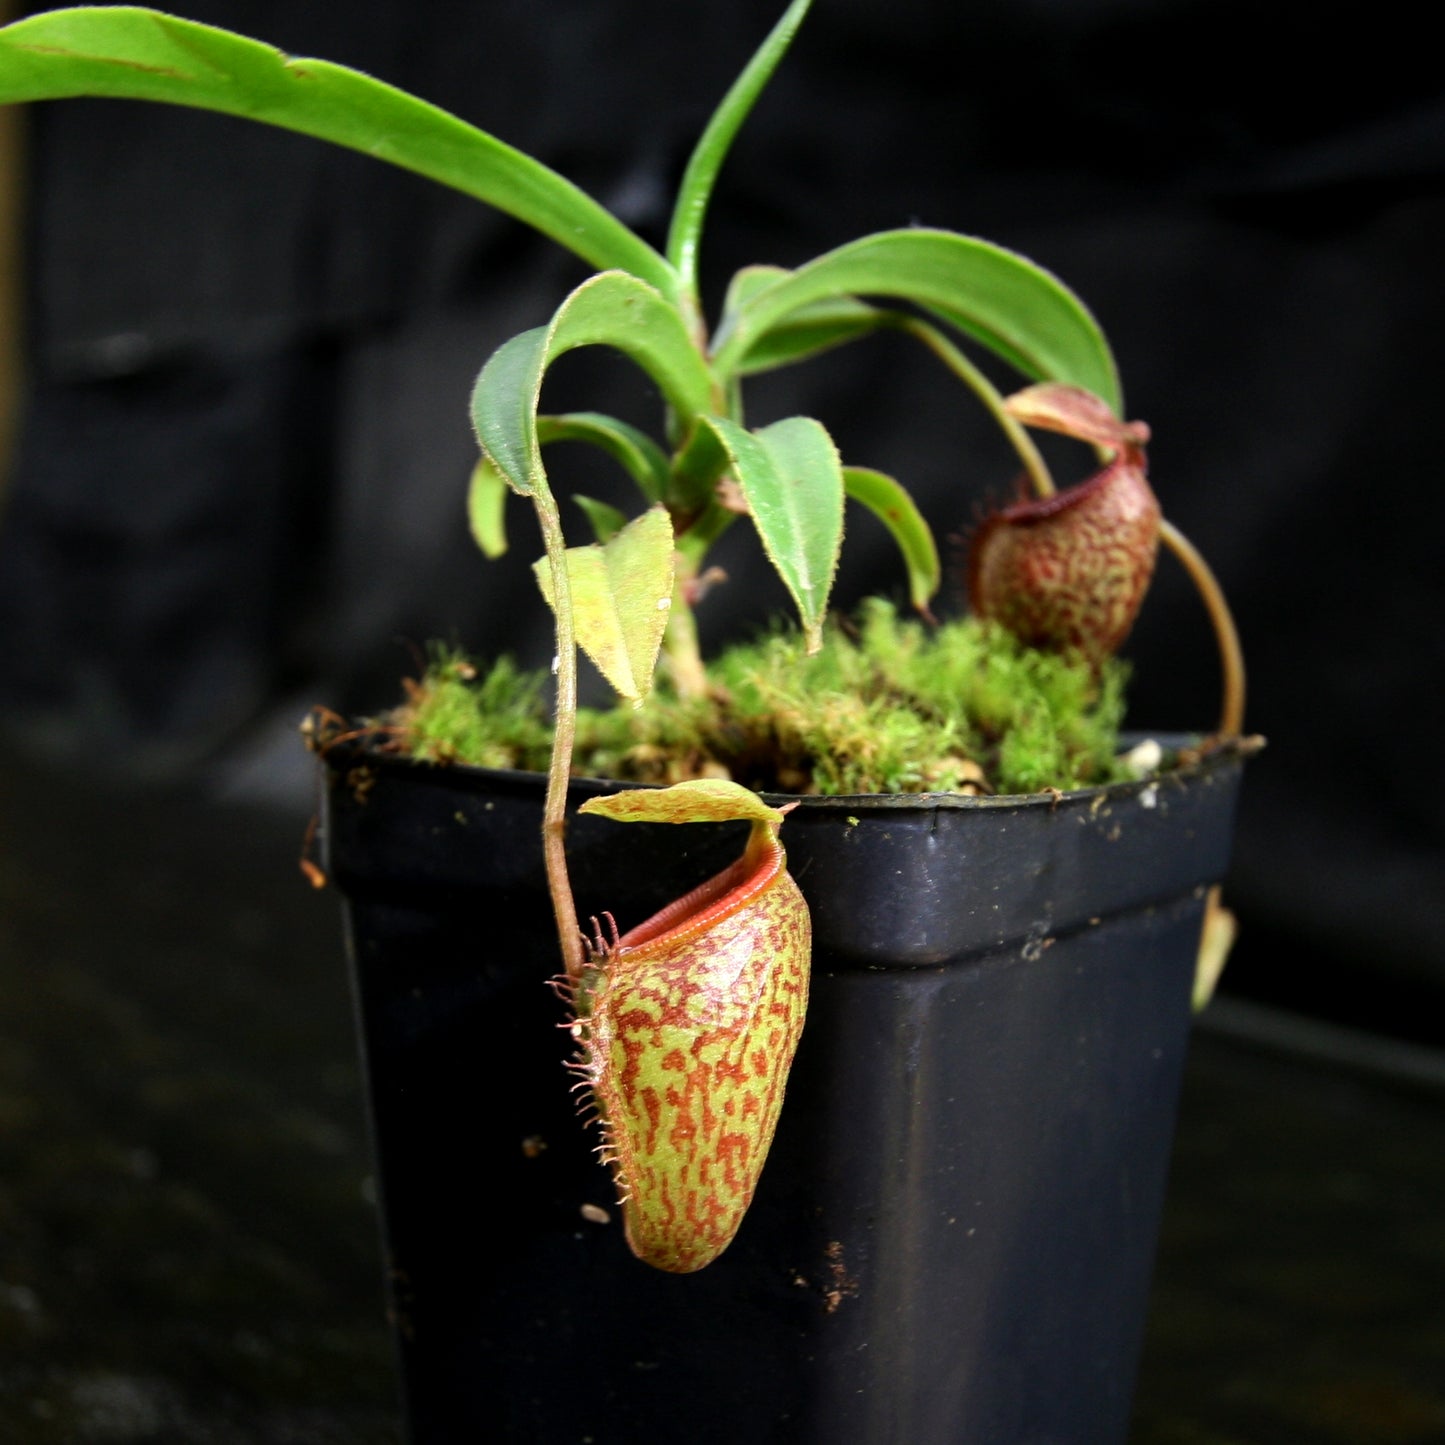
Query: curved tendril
[[1231, 655], [987, 393]]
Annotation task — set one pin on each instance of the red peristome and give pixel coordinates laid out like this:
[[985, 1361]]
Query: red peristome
[[721, 893]]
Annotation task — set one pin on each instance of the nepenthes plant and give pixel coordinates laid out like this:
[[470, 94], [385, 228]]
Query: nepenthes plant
[[686, 1023]]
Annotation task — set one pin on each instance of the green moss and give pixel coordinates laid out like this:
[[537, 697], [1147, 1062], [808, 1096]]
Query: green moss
[[459, 713], [888, 705]]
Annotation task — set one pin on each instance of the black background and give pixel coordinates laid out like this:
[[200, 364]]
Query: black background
[[241, 473]]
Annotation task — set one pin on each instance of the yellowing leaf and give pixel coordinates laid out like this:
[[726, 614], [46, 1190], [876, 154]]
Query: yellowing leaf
[[621, 598], [699, 800]]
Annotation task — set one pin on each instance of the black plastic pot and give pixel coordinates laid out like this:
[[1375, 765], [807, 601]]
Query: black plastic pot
[[953, 1236]]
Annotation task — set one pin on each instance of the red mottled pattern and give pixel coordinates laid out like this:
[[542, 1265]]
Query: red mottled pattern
[[691, 1035], [1071, 570]]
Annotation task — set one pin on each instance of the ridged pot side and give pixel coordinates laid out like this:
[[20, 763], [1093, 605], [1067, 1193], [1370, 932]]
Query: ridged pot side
[[953, 1234]]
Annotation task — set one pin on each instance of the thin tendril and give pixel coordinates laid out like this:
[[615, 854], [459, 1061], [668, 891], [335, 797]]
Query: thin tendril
[[985, 391], [1231, 655]]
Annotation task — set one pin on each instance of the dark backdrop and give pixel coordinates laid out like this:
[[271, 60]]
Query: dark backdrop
[[240, 482]]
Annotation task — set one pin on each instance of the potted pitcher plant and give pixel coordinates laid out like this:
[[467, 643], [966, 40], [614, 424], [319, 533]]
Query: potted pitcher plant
[[871, 947]]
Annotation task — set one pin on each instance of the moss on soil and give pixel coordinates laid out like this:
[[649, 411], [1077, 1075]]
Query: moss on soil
[[889, 705]]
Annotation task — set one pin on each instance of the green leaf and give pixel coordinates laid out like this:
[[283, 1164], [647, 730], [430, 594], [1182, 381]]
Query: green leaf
[[791, 478], [611, 309], [486, 505], [636, 452], [504, 409], [606, 520], [697, 468], [1015, 308], [621, 598], [706, 160], [138, 54], [700, 800], [803, 333], [892, 505], [809, 331], [746, 282]]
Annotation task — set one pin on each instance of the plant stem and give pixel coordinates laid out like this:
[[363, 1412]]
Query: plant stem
[[1231, 655], [554, 814], [985, 391], [681, 648]]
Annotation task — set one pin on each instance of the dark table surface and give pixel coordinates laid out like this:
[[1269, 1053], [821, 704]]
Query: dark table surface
[[188, 1240]]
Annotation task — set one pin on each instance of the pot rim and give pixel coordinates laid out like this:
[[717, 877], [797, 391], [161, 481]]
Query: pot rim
[[1205, 754]]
